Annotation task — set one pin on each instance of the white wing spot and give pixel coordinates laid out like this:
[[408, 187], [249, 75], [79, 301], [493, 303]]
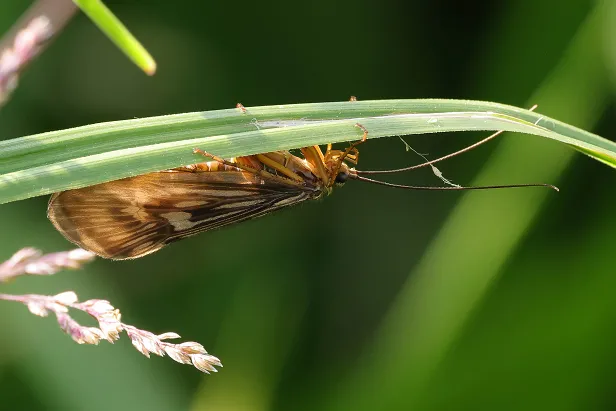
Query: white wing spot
[[179, 220]]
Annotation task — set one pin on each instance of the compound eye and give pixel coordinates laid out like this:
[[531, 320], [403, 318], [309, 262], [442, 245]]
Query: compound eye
[[342, 177]]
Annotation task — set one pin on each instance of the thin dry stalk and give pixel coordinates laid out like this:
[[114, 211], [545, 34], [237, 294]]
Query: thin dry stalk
[[28, 37], [32, 261]]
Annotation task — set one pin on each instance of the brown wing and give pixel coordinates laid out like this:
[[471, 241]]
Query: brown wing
[[136, 216]]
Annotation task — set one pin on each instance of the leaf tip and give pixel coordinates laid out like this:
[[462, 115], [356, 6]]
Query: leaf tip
[[150, 67]]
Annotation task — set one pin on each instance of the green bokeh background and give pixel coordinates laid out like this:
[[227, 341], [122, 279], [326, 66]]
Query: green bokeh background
[[373, 298]]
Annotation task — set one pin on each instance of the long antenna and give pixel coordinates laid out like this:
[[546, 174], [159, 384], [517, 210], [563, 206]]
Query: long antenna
[[428, 163], [449, 188]]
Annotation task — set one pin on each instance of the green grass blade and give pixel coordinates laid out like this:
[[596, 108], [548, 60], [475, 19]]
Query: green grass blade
[[109, 24], [55, 161]]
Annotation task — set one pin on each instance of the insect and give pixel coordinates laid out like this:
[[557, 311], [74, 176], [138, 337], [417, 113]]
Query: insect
[[136, 216]]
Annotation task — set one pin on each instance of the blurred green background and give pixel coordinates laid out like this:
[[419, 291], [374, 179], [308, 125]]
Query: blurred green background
[[373, 298]]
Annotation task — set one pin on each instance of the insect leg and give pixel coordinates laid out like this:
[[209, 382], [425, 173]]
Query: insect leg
[[241, 107], [215, 158], [279, 167], [241, 166], [244, 167], [364, 137]]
